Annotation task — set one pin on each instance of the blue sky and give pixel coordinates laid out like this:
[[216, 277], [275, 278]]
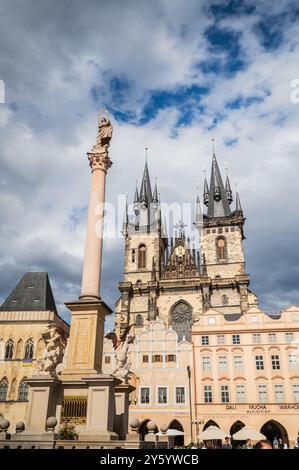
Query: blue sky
[[174, 75]]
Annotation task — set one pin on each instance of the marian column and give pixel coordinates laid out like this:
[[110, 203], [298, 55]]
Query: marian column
[[85, 345], [99, 162]]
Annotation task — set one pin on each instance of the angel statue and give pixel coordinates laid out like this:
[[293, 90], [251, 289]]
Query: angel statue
[[55, 341], [121, 347], [105, 130]]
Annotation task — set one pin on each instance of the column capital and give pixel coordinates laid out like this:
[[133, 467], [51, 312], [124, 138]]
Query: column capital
[[99, 159]]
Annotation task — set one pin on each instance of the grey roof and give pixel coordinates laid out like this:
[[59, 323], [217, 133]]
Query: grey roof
[[32, 293], [217, 207]]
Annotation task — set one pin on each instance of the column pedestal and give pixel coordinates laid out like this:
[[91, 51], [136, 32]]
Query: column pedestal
[[42, 404], [85, 347], [100, 408], [121, 422]]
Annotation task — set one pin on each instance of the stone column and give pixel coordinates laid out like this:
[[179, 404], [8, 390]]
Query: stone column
[[85, 345], [99, 163]]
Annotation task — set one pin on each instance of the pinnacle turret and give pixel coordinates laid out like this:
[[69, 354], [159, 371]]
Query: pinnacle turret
[[228, 191]]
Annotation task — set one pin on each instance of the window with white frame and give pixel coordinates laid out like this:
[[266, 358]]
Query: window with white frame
[[206, 363], [208, 395], [222, 362], [278, 392], [259, 362], [204, 340], [272, 337], [262, 393], [224, 394], [221, 339], [289, 337], [144, 395], [293, 361], [256, 338], [238, 362], [180, 395], [236, 339], [296, 393], [211, 321], [240, 393], [162, 395], [275, 362]]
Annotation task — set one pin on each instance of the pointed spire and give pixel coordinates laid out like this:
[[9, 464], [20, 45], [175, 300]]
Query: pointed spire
[[126, 219], [136, 197], [218, 205], [206, 193], [198, 213], [146, 190], [228, 190], [238, 203], [155, 195]]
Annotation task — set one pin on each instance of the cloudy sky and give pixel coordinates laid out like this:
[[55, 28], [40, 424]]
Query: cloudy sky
[[174, 75]]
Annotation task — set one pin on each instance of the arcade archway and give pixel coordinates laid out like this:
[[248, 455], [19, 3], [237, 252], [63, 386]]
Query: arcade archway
[[210, 423], [235, 428], [273, 429], [177, 440]]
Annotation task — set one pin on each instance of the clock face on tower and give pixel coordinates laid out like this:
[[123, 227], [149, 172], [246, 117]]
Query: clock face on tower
[[180, 251]]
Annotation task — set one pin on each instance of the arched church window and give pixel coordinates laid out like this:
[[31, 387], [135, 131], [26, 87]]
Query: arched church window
[[181, 320], [23, 390], [29, 347], [221, 249], [9, 347], [3, 389], [139, 320], [141, 256]]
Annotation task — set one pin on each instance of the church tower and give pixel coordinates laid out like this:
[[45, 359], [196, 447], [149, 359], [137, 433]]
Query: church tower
[[222, 235], [145, 250]]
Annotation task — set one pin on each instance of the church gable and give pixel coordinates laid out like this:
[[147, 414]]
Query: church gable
[[181, 262]]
